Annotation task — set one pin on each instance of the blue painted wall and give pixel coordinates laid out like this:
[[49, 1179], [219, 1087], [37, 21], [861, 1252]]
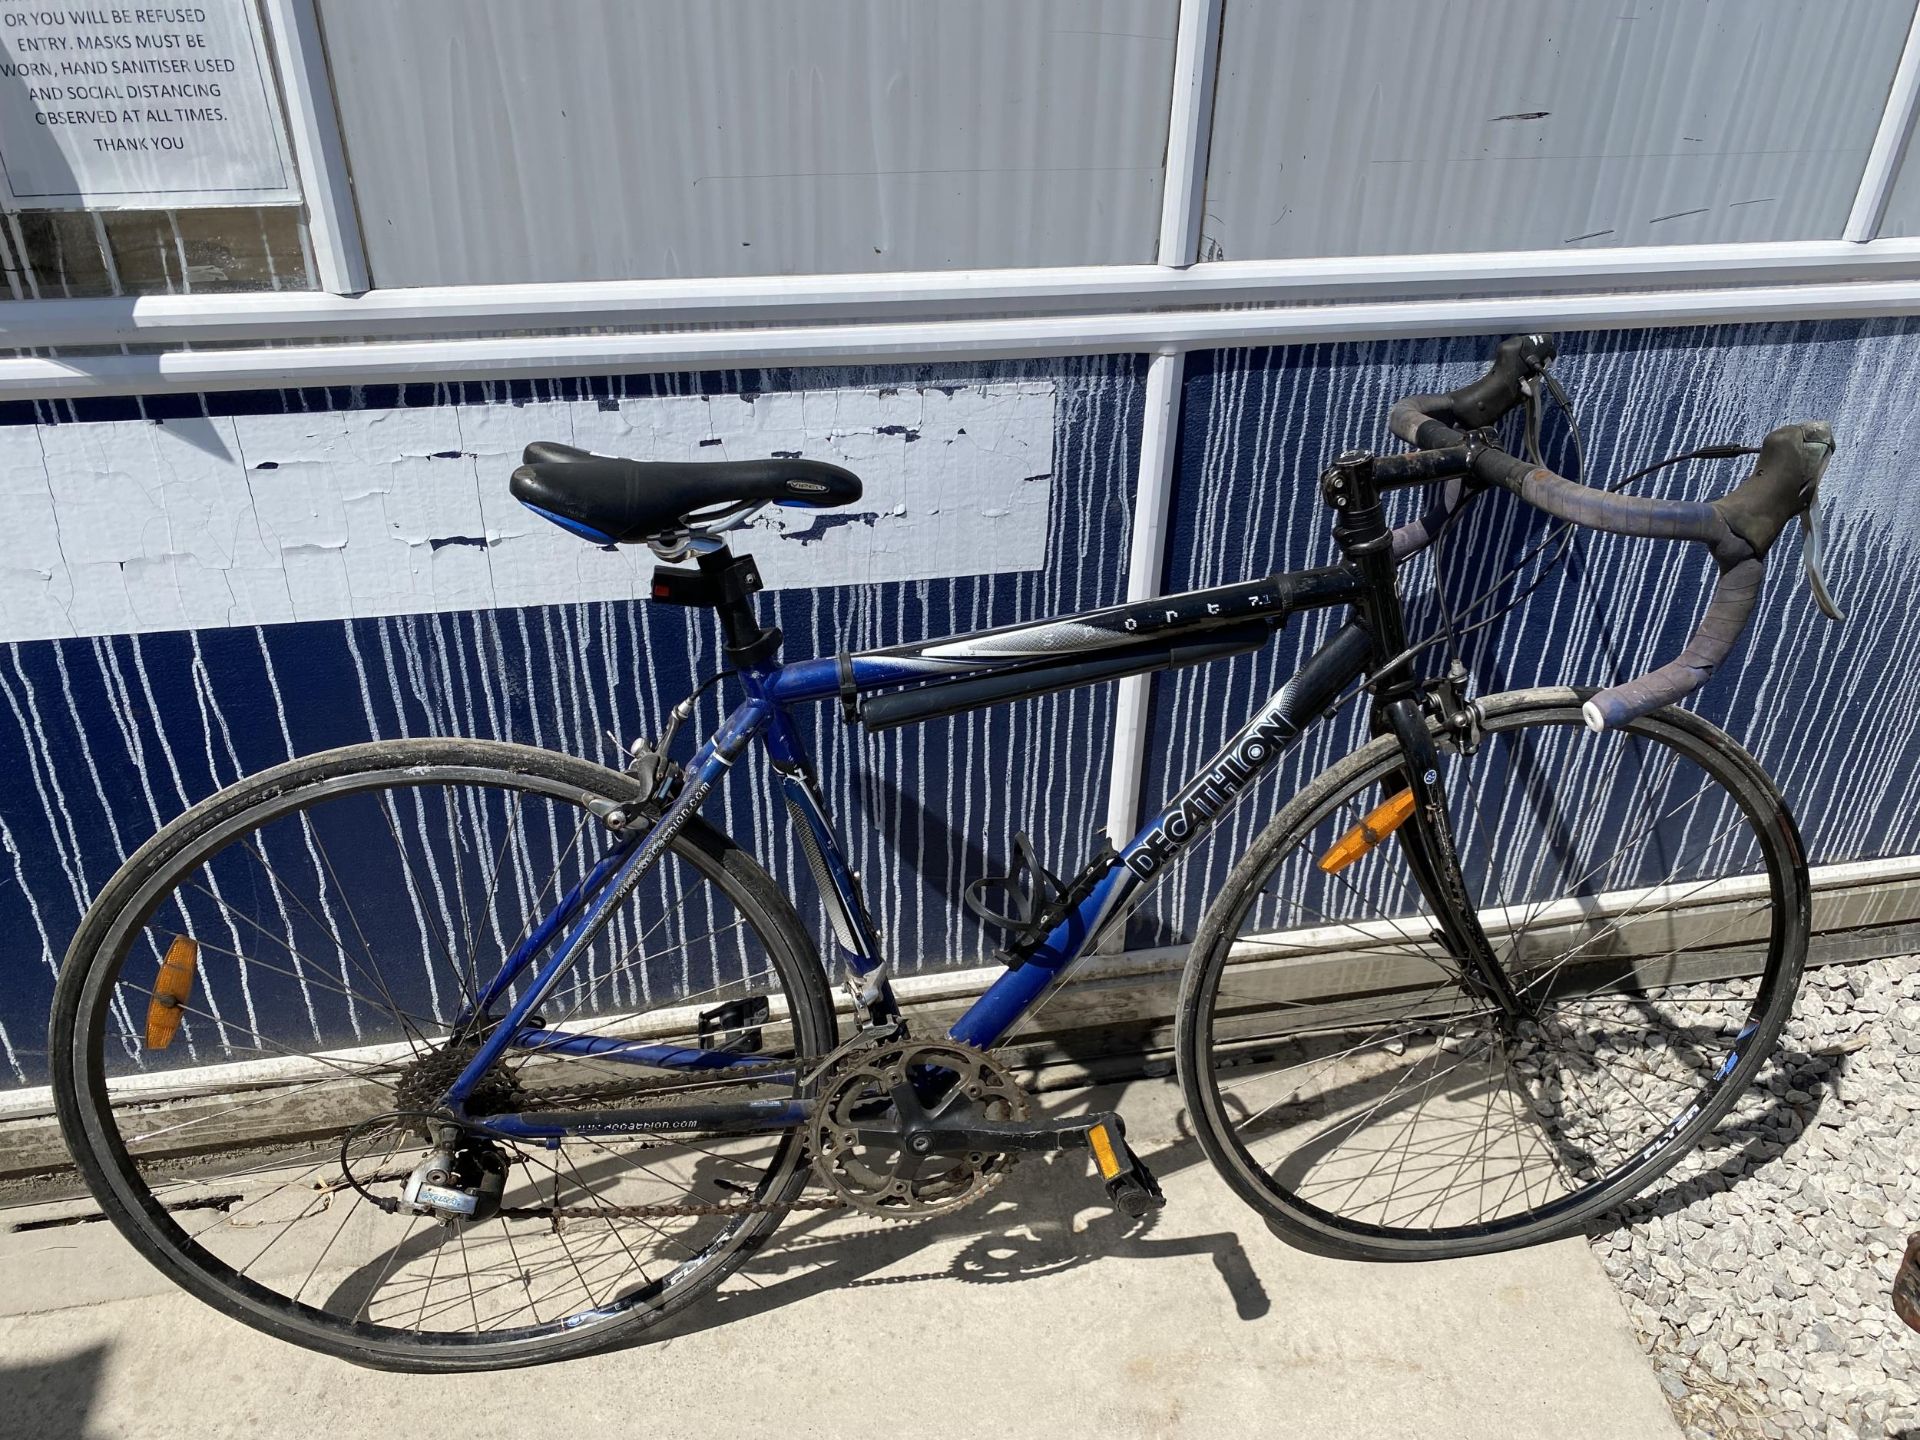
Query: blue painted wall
[[102, 740]]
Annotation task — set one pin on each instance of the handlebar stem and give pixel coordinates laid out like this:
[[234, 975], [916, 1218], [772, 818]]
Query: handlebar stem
[[1350, 488]]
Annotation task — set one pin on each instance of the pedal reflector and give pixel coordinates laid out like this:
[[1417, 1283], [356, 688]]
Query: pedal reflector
[[1385, 818], [1104, 1153], [170, 990]]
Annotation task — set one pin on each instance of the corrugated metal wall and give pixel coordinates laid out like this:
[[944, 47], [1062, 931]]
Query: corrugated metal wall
[[1407, 126], [501, 141], [494, 141]]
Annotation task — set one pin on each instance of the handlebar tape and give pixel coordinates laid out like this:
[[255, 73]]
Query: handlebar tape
[[1738, 528], [1734, 597]]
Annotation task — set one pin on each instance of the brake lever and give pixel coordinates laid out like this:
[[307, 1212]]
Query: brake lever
[[1813, 544], [1812, 547]]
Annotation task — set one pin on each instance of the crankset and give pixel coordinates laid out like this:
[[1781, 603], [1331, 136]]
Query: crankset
[[920, 1127]]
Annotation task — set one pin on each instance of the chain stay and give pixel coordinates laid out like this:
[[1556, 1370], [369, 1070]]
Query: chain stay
[[587, 1095]]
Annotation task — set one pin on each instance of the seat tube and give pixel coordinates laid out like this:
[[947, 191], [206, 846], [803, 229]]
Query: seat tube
[[853, 930]]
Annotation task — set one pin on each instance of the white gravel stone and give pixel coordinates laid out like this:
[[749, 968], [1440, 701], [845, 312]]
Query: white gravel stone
[[1758, 1272]]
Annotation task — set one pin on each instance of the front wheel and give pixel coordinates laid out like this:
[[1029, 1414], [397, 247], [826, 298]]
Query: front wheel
[[257, 1016], [1643, 889]]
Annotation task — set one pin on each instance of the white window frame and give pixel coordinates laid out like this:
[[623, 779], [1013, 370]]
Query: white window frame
[[346, 333]]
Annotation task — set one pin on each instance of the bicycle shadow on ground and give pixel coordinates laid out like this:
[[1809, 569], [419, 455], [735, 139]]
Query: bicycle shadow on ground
[[1744, 1142], [1035, 1224], [53, 1399]]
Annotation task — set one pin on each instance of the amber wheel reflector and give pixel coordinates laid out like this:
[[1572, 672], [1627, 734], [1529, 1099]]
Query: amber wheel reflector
[[1385, 818], [170, 990]]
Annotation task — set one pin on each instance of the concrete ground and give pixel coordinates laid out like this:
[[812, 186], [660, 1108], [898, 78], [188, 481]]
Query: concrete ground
[[1037, 1312]]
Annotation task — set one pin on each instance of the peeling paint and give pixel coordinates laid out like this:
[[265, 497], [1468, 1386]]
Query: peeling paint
[[125, 527]]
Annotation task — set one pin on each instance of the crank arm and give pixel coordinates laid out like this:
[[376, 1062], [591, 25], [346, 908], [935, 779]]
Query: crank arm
[[997, 1136], [1129, 1183]]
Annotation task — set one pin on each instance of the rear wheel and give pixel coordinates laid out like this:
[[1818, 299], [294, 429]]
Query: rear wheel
[[326, 922], [1645, 892]]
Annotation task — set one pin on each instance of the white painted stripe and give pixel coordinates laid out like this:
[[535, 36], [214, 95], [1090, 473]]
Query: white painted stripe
[[123, 527]]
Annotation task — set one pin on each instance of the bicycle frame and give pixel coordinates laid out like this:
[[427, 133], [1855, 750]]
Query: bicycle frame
[[1012, 661]]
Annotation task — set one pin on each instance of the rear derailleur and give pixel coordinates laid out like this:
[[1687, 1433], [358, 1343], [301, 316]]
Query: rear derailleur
[[459, 1183]]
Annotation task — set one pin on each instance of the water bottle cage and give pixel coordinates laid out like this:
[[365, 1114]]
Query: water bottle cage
[[1031, 890], [1041, 900]]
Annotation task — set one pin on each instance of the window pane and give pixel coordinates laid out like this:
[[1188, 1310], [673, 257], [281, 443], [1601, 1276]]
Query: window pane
[[497, 140], [1410, 126], [156, 252]]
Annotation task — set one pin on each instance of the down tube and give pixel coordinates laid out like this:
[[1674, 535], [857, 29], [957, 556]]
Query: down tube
[[1280, 722]]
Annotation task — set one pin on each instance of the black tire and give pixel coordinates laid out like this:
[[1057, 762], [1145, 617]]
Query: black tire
[[91, 976], [1342, 1069]]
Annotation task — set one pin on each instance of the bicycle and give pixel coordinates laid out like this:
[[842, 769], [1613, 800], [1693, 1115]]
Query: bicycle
[[442, 1054]]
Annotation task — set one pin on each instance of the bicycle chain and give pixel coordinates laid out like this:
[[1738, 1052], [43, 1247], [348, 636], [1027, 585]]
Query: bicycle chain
[[626, 1089], [586, 1095], [666, 1212]]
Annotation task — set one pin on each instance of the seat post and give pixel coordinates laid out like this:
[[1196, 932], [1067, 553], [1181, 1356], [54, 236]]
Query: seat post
[[746, 642]]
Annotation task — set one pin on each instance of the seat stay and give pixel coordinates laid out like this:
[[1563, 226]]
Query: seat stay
[[593, 912]]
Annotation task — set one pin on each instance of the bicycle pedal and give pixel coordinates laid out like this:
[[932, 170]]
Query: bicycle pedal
[[1131, 1187]]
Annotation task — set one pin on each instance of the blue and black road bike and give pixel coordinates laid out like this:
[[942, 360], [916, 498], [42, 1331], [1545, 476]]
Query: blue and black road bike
[[449, 1054]]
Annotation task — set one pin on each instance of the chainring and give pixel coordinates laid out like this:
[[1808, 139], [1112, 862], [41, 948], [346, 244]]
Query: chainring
[[889, 1179]]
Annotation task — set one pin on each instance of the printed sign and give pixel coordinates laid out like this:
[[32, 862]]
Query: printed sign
[[115, 107]]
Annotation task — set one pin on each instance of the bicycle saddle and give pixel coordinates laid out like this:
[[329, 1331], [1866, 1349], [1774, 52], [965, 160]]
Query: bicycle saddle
[[620, 502]]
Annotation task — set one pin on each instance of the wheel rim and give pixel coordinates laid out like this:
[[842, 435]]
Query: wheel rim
[[1412, 1118], [301, 1025]]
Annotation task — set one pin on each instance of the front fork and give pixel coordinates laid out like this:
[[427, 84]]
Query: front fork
[[1352, 491], [1434, 857]]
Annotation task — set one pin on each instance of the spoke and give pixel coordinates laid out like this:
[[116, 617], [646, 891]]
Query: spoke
[[1565, 957], [1573, 888], [405, 1020], [270, 1047], [386, 806], [373, 974], [486, 906], [322, 980], [552, 885], [272, 1094]]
